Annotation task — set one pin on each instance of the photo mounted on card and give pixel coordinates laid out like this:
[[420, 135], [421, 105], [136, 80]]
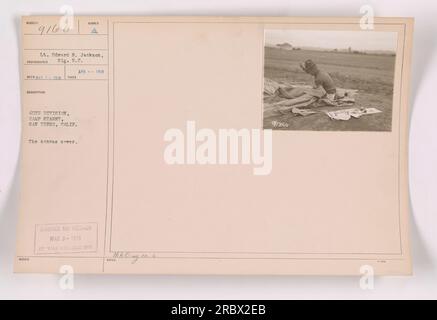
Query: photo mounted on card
[[214, 145]]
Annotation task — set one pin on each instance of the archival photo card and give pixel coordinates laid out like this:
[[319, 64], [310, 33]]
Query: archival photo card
[[145, 149]]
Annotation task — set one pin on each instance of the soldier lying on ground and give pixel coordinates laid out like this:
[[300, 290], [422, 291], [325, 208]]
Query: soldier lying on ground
[[324, 87]]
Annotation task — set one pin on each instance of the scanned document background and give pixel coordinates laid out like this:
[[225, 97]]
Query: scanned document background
[[98, 195]]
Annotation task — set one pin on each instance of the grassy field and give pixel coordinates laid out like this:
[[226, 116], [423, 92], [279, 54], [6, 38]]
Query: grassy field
[[372, 75]]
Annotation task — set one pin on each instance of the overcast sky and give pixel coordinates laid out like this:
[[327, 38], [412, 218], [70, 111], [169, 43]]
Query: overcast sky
[[358, 40]]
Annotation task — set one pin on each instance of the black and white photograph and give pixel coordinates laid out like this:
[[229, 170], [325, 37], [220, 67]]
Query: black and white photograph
[[322, 80]]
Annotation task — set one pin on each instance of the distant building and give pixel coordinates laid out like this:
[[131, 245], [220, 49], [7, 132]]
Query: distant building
[[285, 46]]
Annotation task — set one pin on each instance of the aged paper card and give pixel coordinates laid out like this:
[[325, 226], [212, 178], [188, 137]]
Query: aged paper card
[[212, 145]]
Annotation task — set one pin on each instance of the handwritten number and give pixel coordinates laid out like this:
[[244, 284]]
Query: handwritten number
[[54, 28]]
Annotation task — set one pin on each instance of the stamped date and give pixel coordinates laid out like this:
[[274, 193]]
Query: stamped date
[[65, 238]]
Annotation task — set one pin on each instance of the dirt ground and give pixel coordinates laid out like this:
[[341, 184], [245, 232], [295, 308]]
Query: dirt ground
[[371, 74]]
